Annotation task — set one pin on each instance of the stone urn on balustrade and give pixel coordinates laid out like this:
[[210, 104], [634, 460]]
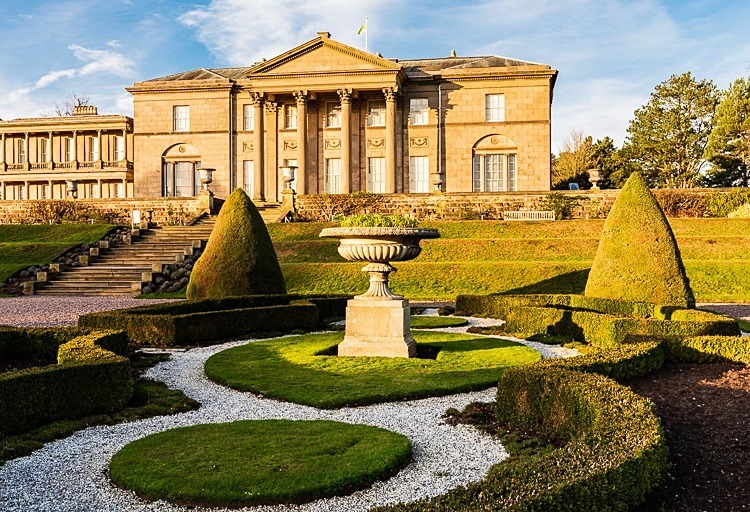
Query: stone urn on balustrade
[[377, 322]]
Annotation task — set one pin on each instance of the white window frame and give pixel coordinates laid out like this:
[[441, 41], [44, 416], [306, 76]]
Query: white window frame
[[119, 148], [484, 180], [332, 181], [181, 118], [183, 183], [376, 113], [248, 117], [376, 175], [419, 111], [70, 149], [93, 148], [248, 176], [333, 114], [45, 151], [96, 192], [22, 156], [494, 108], [290, 116], [120, 189], [419, 174]]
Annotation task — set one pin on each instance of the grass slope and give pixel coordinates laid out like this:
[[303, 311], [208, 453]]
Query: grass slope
[[289, 369], [258, 462], [22, 246]]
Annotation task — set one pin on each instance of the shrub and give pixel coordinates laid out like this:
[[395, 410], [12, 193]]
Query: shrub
[[638, 258], [709, 349], [326, 207], [721, 203], [239, 258], [681, 203], [89, 379], [559, 203], [743, 212], [376, 220]]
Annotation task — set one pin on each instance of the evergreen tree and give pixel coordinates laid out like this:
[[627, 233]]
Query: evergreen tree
[[728, 146], [668, 135]]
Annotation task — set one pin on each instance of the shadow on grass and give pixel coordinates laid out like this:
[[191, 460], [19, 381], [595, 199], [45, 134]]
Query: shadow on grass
[[568, 283]]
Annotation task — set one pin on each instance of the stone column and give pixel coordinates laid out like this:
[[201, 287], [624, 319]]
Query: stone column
[[390, 139], [3, 164], [26, 151], [124, 144], [50, 191], [124, 187], [98, 162], [74, 163], [346, 140], [50, 153], [272, 131], [259, 161], [26, 190], [301, 97]]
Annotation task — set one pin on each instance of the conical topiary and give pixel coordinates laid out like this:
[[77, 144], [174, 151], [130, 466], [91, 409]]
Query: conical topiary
[[239, 258], [638, 258]]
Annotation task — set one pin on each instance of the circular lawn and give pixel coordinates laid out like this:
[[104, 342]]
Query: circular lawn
[[302, 369], [258, 462]]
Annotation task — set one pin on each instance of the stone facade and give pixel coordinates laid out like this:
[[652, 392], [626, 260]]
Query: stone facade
[[349, 121], [86, 154]]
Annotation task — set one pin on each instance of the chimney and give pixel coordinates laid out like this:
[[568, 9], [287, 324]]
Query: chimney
[[84, 110], [324, 35]]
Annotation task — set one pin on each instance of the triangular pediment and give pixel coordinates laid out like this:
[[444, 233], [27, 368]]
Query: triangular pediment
[[322, 55]]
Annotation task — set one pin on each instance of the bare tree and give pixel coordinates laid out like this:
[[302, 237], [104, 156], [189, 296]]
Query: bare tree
[[574, 160], [68, 105]]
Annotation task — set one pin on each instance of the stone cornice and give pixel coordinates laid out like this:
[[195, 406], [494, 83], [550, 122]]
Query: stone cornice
[[67, 124], [179, 86]]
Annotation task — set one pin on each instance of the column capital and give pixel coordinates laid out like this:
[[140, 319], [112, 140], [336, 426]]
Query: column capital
[[345, 95], [302, 96], [257, 97], [390, 93], [271, 107]]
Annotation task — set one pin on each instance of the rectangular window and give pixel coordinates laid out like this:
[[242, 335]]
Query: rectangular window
[[418, 111], [119, 148], [21, 192], [290, 116], [248, 117], [181, 115], [376, 175], [248, 177], [183, 179], [494, 173], [376, 113], [512, 176], [21, 151], [476, 181], [70, 149], [93, 153], [494, 107], [45, 153], [333, 176], [44, 191], [333, 114], [419, 174], [120, 189], [95, 192]]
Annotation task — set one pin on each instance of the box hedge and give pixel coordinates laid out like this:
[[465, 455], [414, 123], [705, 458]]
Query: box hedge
[[612, 450], [210, 320], [89, 379]]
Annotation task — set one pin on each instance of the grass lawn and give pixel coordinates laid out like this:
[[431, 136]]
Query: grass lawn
[[436, 322], [258, 462], [22, 246], [481, 257], [289, 369]]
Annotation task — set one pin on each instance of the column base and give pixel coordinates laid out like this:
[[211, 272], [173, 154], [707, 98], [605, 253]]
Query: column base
[[378, 328]]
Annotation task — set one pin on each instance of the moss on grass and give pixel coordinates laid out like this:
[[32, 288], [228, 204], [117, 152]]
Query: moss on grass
[[259, 462], [289, 369]]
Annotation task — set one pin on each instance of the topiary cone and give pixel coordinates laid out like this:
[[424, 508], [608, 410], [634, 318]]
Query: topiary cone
[[638, 258], [239, 258]]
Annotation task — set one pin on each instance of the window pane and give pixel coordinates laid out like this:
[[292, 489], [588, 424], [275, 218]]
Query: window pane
[[181, 118], [333, 114], [493, 173], [248, 117], [495, 107], [119, 148], [333, 176], [512, 175], [376, 175], [476, 182], [248, 177], [419, 174], [290, 117], [418, 111], [183, 179], [376, 114]]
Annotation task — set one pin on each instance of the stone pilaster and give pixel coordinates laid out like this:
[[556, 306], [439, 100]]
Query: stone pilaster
[[301, 97], [346, 139], [390, 138], [259, 164]]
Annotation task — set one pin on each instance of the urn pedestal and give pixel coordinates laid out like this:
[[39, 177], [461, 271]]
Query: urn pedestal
[[378, 321]]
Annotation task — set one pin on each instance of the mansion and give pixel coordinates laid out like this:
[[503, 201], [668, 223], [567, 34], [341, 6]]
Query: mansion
[[348, 120]]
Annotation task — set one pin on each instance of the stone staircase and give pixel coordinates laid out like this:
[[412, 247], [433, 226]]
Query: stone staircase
[[122, 270]]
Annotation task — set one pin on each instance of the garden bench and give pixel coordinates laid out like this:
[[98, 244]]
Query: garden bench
[[529, 215]]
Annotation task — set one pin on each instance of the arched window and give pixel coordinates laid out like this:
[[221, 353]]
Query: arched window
[[179, 177], [494, 165]]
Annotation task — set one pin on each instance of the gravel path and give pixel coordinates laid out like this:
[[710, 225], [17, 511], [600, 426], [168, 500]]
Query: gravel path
[[71, 474], [39, 311]]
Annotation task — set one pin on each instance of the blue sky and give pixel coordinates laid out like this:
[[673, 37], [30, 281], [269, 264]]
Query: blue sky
[[610, 53]]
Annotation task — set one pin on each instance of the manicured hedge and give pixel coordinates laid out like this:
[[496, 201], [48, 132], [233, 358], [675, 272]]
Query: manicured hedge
[[599, 322], [206, 321], [89, 379], [613, 450], [709, 349]]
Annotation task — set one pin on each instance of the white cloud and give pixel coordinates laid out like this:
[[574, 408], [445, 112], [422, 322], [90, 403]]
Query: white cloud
[[114, 43], [241, 32]]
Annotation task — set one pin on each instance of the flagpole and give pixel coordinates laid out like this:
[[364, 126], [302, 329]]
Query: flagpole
[[367, 30]]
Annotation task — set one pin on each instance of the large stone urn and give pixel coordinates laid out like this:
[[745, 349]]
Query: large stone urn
[[377, 322]]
